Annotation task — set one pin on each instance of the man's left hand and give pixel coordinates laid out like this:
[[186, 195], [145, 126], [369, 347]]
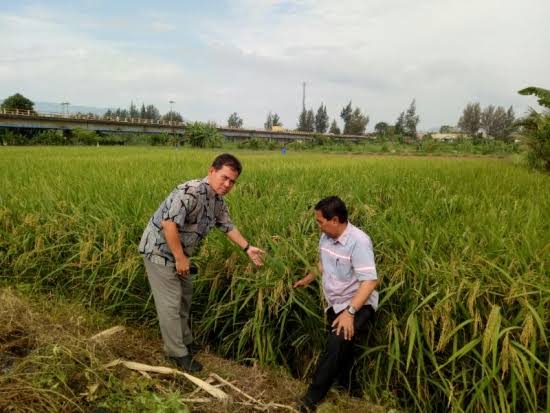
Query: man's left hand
[[256, 255], [344, 323]]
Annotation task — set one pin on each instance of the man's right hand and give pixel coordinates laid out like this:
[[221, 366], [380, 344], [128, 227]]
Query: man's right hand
[[304, 282], [182, 266]]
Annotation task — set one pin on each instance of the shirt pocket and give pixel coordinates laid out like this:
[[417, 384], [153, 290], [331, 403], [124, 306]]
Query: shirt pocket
[[342, 267]]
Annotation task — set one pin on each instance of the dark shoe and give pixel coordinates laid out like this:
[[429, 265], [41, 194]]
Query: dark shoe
[[306, 406], [193, 348], [187, 363]]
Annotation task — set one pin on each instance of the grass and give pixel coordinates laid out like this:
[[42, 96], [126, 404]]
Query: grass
[[49, 364], [462, 247]]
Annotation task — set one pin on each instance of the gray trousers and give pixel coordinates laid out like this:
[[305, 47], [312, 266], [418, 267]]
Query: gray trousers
[[172, 297]]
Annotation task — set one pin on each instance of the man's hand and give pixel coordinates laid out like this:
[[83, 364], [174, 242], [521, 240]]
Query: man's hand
[[182, 267], [304, 282], [344, 323], [256, 255]]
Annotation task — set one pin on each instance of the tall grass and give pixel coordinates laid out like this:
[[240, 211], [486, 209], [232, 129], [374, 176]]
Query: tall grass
[[462, 248]]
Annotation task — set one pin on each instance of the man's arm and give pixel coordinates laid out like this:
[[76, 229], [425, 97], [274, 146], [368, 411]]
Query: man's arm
[[254, 253], [170, 229], [344, 321], [308, 279], [363, 293]]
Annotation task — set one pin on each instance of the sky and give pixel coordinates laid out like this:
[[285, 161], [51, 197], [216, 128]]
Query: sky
[[213, 58]]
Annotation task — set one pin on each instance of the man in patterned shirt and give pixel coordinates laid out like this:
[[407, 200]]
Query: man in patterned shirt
[[172, 235], [349, 281]]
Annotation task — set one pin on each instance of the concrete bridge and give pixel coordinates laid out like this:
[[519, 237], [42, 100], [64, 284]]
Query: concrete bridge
[[34, 120]]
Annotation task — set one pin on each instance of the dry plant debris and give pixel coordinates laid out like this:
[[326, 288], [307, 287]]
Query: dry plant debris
[[58, 357]]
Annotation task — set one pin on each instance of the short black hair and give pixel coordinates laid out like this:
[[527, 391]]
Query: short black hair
[[333, 206], [226, 159]]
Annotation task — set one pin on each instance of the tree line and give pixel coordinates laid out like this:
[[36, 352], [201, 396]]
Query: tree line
[[496, 122], [149, 112], [354, 120], [493, 121]]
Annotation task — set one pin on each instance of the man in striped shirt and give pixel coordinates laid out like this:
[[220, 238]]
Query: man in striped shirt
[[349, 280]]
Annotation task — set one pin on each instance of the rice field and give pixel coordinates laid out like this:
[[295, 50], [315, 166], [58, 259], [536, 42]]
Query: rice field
[[462, 248]]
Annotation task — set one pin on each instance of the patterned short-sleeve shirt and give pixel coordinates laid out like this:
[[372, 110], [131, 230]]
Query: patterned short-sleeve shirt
[[196, 209]]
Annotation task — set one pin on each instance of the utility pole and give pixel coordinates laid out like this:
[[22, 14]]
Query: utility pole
[[171, 111], [172, 124], [65, 106], [304, 96]]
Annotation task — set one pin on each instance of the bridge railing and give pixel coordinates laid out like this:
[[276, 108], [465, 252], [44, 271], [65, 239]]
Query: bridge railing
[[174, 124], [84, 116]]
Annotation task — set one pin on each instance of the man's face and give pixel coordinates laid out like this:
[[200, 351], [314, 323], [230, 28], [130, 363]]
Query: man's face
[[222, 180], [328, 226]]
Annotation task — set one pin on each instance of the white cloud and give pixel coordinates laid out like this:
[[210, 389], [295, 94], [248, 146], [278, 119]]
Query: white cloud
[[49, 62], [380, 54]]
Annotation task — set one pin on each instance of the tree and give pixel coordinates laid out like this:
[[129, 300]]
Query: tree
[[321, 119], [400, 124], [145, 112], [306, 121], [172, 116], [357, 123], [310, 121], [234, 121], [277, 120], [498, 122], [542, 94], [381, 128], [268, 125], [345, 114], [470, 121], [302, 121], [121, 113], [334, 129], [17, 102], [133, 111], [203, 135], [411, 120], [509, 124], [151, 112], [445, 129], [536, 129]]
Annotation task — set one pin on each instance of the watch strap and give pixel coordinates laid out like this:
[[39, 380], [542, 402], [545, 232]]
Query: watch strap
[[351, 309]]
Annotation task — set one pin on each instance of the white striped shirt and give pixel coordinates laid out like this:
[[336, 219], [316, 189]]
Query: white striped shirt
[[347, 261]]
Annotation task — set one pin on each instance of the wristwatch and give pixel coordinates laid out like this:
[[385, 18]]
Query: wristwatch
[[351, 309]]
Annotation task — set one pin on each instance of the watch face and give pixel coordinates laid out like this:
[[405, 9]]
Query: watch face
[[351, 310]]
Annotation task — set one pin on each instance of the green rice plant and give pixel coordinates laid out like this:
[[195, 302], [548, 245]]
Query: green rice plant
[[462, 250]]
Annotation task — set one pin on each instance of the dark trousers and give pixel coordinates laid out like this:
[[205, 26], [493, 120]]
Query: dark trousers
[[336, 362]]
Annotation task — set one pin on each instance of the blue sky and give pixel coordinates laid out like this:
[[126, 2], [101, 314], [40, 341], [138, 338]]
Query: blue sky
[[251, 56]]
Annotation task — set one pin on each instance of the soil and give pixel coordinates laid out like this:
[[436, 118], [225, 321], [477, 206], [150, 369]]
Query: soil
[[44, 336]]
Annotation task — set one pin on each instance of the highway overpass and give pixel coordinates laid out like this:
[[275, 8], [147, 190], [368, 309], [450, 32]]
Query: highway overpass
[[34, 120]]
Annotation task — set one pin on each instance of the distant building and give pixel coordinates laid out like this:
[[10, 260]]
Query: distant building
[[277, 129], [446, 137]]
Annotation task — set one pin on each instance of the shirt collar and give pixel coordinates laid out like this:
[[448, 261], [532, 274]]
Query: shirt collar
[[209, 189], [343, 238]]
